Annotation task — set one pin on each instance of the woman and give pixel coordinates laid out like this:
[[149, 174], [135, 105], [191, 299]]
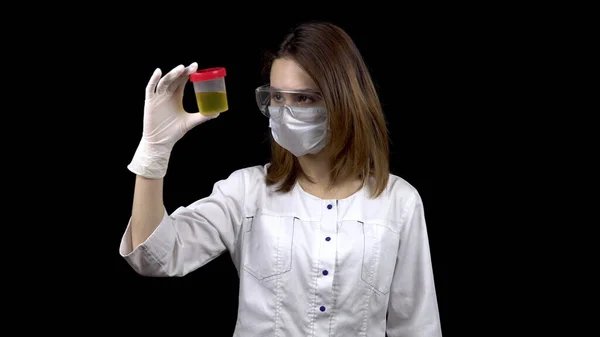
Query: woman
[[326, 241]]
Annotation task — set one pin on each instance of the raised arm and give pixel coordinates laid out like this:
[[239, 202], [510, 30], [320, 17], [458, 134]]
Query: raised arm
[[164, 122], [413, 308], [189, 237], [148, 209]]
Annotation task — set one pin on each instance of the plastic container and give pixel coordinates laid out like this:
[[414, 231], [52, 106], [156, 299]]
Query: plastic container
[[211, 94]]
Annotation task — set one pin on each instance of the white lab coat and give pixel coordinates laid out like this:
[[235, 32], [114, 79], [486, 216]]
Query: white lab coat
[[307, 266]]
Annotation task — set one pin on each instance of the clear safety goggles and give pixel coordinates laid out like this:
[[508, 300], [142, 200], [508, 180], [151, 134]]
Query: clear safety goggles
[[268, 98]]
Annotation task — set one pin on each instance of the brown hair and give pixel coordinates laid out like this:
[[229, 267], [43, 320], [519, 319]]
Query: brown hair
[[358, 132]]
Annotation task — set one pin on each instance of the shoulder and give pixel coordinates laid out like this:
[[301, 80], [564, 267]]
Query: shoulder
[[251, 172], [397, 200], [250, 177], [401, 190], [250, 186]]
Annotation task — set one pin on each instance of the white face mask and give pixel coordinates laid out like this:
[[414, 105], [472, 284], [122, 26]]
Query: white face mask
[[299, 130]]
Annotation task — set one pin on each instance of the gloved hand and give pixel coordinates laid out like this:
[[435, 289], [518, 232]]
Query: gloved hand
[[165, 121]]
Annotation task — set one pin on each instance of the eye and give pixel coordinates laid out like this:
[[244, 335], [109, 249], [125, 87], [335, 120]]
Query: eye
[[277, 97], [305, 99]]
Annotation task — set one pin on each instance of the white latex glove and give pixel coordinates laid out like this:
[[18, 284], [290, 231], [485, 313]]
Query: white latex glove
[[165, 121]]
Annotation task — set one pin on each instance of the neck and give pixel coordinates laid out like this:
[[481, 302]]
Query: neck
[[316, 179], [316, 168]]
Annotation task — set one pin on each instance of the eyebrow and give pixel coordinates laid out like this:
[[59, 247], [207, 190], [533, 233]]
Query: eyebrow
[[304, 89]]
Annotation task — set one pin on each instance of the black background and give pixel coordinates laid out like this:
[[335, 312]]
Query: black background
[[467, 91], [409, 62]]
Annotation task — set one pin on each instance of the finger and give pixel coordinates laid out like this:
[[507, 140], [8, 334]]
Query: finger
[[178, 85], [151, 86], [197, 118], [164, 83]]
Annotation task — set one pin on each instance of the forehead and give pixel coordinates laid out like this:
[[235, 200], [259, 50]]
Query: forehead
[[287, 74]]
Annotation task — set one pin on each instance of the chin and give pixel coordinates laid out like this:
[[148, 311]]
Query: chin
[[312, 156]]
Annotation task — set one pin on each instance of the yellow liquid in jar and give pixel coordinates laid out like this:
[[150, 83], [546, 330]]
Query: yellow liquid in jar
[[210, 103]]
